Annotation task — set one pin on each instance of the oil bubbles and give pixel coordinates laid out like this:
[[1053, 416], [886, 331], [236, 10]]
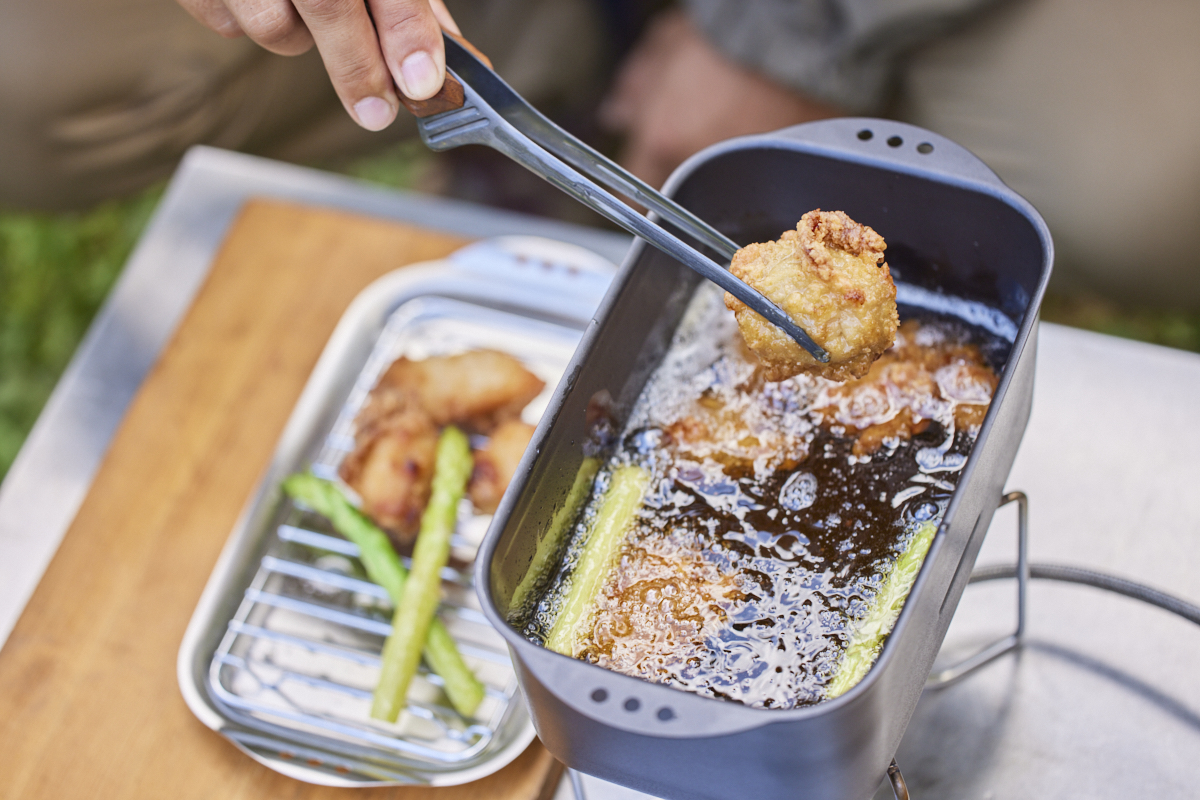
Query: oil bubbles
[[799, 491]]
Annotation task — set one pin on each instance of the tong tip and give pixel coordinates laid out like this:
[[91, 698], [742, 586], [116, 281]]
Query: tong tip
[[797, 334]]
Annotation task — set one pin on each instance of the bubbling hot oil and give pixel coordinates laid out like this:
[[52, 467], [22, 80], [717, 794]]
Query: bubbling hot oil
[[767, 528]]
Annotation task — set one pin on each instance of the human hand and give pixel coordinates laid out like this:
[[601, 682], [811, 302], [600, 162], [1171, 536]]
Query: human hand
[[398, 43], [676, 94]]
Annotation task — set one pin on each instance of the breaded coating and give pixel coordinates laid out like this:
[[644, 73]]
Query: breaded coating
[[391, 468], [660, 609], [918, 381], [395, 436], [741, 436], [496, 463], [476, 390], [829, 276]]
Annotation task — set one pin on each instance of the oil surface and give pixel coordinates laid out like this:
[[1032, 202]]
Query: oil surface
[[775, 510]]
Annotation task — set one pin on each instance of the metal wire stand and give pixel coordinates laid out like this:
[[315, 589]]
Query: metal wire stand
[[955, 673]]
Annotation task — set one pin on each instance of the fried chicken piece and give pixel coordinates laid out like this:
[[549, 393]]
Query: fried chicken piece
[[477, 390], [725, 438], [970, 386], [914, 383], [659, 609], [899, 428], [396, 431], [829, 276], [496, 463], [391, 468]]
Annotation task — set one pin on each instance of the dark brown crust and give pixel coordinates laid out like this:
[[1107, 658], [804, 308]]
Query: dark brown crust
[[821, 230]]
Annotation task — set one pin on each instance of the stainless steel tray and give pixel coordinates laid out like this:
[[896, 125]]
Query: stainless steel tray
[[282, 651]]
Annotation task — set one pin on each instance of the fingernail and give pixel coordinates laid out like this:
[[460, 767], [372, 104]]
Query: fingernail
[[419, 76], [374, 113]]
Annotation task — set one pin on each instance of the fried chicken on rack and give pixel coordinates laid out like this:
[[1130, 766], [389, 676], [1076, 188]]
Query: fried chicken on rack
[[396, 432], [391, 468], [496, 463], [829, 276], [476, 390]]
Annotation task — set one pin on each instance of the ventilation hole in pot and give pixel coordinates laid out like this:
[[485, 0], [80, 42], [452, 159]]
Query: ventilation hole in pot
[[599, 696], [865, 134], [924, 148], [314, 762], [633, 704], [342, 768], [895, 141], [665, 714]]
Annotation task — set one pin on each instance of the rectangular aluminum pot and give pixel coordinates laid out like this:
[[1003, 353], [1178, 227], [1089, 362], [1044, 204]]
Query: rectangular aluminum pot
[[953, 228]]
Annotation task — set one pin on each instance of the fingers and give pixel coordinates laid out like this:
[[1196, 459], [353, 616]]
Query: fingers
[[273, 24], [347, 41], [403, 43], [443, 16], [411, 40], [213, 15]]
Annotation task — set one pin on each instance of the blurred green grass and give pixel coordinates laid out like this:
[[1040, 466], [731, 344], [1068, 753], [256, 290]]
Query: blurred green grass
[[56, 270], [1177, 329], [404, 165]]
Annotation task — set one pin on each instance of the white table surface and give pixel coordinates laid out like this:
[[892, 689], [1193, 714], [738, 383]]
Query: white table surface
[[1103, 701]]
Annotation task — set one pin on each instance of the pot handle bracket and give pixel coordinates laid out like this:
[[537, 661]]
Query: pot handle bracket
[[897, 145], [953, 674]]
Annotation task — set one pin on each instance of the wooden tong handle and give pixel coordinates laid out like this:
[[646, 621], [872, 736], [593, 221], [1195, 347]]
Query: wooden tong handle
[[450, 96]]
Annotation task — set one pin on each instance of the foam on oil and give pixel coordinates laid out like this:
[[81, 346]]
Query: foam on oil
[[763, 536]]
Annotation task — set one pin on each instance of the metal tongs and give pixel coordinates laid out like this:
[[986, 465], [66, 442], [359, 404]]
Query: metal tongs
[[476, 106]]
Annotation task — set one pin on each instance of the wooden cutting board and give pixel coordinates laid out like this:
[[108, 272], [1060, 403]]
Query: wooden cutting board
[[89, 704]]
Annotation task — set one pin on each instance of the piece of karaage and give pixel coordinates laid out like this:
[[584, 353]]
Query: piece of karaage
[[829, 276], [496, 463], [926, 377], [477, 390], [391, 468], [395, 437]]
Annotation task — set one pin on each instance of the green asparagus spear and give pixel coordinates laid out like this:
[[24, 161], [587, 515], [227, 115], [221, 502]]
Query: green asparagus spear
[[616, 512], [560, 525], [383, 566], [419, 600], [868, 636]]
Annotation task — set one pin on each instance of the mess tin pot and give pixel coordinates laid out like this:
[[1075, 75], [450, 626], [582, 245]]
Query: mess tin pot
[[952, 228]]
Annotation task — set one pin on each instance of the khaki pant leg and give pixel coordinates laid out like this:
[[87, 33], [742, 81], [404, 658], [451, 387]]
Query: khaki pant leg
[[551, 51], [1091, 110], [101, 97]]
